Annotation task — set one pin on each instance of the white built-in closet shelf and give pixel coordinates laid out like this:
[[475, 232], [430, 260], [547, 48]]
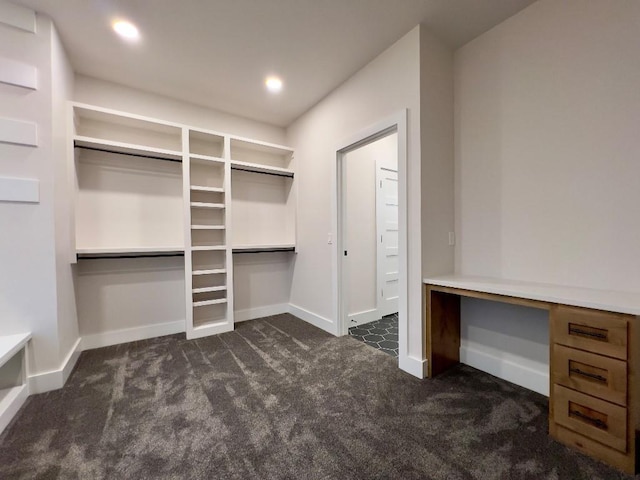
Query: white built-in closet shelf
[[197, 188], [11, 344], [206, 158], [209, 289], [207, 205], [207, 227], [286, 247], [213, 271], [128, 251], [204, 303], [207, 248], [126, 148], [258, 168], [613, 301]]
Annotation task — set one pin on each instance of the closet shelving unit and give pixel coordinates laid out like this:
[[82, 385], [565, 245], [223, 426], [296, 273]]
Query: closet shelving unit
[[208, 272], [152, 188], [127, 167], [263, 196]]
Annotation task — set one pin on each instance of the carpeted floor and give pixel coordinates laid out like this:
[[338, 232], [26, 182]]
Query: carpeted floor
[[280, 399]]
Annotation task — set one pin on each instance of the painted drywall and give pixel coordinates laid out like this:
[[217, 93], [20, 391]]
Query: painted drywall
[[106, 305], [385, 86], [360, 225], [546, 116], [62, 79], [436, 136], [118, 97], [30, 245]]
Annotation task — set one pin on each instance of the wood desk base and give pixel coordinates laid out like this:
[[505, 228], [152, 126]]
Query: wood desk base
[[578, 416]]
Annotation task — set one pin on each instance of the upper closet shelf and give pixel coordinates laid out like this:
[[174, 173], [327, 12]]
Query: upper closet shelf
[[126, 148], [206, 158], [287, 247], [198, 188], [258, 168], [94, 253]]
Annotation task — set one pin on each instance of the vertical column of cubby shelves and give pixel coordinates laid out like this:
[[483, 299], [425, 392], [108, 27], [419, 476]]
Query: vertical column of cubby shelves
[[208, 266]]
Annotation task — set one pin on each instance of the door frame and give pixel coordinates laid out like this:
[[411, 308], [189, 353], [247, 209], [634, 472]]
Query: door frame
[[394, 123]]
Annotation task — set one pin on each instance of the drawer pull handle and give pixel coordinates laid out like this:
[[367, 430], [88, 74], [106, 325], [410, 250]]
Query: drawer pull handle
[[584, 333], [593, 421], [599, 378]]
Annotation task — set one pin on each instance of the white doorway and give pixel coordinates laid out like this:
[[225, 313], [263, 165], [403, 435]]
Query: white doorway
[[370, 230]]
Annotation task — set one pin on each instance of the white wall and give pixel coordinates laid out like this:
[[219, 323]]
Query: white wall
[[147, 295], [62, 80], [118, 97], [385, 86], [32, 250], [436, 136], [360, 223], [547, 112]]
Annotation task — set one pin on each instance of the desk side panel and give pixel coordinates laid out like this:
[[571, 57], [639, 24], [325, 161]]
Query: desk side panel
[[443, 331]]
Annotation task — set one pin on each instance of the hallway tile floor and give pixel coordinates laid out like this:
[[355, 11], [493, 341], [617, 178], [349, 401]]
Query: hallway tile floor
[[381, 334]]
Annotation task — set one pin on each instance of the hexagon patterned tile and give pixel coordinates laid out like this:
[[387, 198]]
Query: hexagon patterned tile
[[381, 334]]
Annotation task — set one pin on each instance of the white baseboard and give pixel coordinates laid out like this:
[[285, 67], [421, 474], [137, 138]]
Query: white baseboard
[[367, 316], [116, 337], [259, 312], [11, 402], [412, 365], [315, 320], [55, 379], [526, 377]]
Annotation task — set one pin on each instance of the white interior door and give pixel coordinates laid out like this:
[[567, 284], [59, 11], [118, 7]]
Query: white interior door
[[387, 229]]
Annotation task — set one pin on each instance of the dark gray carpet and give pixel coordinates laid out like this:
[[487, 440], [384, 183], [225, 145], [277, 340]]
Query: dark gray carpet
[[280, 399]]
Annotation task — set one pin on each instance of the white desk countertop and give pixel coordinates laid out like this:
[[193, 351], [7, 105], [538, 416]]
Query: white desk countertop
[[613, 301]]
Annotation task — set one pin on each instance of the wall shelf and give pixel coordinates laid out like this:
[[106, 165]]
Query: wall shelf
[[264, 248], [204, 303], [206, 158], [215, 271], [128, 252], [259, 168], [209, 289], [122, 148], [207, 205], [198, 188], [208, 227], [208, 248]]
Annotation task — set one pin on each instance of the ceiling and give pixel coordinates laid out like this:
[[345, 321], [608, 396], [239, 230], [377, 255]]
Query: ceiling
[[217, 53]]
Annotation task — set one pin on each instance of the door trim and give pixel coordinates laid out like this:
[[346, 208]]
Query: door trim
[[394, 123]]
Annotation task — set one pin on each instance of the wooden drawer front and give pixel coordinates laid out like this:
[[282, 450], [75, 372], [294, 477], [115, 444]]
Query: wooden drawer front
[[592, 330], [602, 377], [602, 421]]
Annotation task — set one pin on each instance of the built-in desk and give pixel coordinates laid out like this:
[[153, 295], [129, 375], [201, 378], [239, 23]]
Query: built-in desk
[[594, 403]]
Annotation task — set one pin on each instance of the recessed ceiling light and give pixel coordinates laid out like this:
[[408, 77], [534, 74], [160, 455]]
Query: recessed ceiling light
[[126, 30], [274, 84]]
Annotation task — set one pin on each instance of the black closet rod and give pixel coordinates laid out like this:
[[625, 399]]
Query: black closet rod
[[107, 256], [95, 149], [290, 175], [264, 250]]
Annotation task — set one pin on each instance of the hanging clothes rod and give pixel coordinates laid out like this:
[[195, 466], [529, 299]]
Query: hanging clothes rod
[[106, 150], [98, 256], [265, 250], [275, 174]]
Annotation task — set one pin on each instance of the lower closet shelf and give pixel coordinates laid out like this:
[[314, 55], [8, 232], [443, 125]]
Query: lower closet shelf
[[204, 303]]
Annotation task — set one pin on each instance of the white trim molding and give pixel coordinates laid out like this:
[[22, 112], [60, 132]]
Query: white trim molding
[[536, 380], [18, 132], [11, 403], [260, 312], [55, 379], [315, 320], [19, 190], [412, 365], [125, 335], [18, 74]]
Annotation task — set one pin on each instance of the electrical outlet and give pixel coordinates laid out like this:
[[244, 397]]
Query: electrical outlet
[[329, 239], [452, 238]]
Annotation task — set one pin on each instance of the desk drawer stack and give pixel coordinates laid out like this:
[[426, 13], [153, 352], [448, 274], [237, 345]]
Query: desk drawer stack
[[592, 398]]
